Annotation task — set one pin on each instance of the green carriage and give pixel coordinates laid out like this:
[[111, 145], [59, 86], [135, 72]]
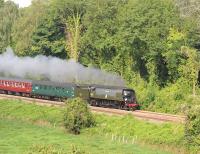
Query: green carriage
[[58, 90]]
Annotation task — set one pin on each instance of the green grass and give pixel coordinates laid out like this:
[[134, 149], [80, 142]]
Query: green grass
[[31, 112], [107, 126], [125, 126], [166, 133], [19, 137]]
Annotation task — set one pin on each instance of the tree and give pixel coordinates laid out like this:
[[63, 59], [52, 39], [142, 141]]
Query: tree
[[190, 10], [73, 30], [175, 40], [190, 67], [1, 3], [49, 36], [100, 27], [8, 15], [132, 29], [26, 25], [71, 13]]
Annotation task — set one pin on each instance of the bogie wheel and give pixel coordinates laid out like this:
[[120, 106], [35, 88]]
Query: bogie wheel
[[133, 108], [93, 103]]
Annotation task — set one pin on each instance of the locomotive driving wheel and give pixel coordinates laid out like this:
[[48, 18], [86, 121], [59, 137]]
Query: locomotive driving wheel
[[93, 103]]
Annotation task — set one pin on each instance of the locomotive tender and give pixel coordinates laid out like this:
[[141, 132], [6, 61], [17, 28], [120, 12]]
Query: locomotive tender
[[96, 95]]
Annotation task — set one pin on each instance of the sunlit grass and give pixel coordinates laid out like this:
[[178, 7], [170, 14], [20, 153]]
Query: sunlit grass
[[19, 137], [116, 129]]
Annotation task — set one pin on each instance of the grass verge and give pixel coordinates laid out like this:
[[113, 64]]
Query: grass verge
[[117, 129], [20, 137]]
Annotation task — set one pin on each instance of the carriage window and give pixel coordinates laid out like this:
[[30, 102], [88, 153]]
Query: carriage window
[[1, 82], [23, 85], [36, 87], [12, 84], [17, 85]]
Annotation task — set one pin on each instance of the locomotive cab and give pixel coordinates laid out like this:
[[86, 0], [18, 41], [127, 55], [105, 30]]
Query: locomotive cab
[[129, 98]]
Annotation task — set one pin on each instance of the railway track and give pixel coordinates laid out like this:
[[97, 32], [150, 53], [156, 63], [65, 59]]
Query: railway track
[[146, 115]]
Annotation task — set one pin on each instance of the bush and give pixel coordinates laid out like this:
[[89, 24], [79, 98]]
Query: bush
[[192, 126], [77, 115]]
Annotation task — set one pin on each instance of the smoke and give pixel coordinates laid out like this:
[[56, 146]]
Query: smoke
[[53, 69]]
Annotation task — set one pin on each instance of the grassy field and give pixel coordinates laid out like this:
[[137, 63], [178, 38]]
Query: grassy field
[[109, 136], [18, 137]]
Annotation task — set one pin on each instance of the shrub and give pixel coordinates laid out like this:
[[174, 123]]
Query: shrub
[[192, 126], [77, 115]]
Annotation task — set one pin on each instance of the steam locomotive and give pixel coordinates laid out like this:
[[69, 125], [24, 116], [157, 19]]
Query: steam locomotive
[[96, 95]]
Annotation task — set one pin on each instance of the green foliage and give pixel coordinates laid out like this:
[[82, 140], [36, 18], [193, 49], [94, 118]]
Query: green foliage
[[192, 126], [130, 39], [191, 67], [1, 3], [26, 25], [73, 31], [8, 15], [77, 115], [49, 37]]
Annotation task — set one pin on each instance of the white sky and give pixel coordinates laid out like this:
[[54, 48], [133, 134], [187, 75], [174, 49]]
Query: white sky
[[22, 3]]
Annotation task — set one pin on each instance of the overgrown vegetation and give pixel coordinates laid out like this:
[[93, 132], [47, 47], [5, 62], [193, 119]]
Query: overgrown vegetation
[[77, 115], [192, 128]]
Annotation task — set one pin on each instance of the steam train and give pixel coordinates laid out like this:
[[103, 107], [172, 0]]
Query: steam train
[[96, 95]]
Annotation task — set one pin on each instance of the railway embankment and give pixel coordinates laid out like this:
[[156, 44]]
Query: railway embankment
[[145, 115], [118, 129]]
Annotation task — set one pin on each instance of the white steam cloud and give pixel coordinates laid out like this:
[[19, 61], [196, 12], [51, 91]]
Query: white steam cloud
[[53, 69]]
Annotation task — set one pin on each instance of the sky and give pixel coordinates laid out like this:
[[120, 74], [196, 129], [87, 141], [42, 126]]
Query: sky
[[22, 3]]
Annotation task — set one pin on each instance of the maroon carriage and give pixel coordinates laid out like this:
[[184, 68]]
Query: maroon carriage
[[15, 85]]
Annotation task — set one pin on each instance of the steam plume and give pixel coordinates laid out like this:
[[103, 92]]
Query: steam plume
[[53, 69]]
